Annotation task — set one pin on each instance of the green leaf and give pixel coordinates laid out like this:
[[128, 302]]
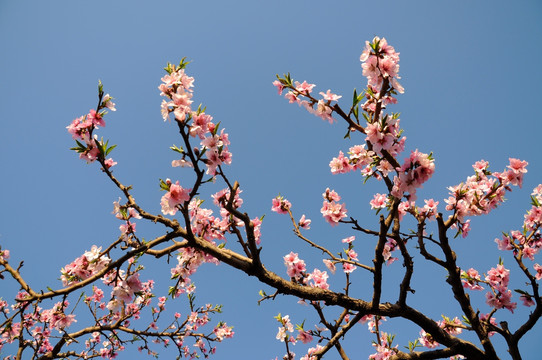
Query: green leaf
[[109, 149], [163, 185], [180, 150], [215, 130]]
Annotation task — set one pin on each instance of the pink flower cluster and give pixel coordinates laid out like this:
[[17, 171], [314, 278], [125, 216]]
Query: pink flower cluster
[[88, 264], [4, 254], [124, 288], [332, 210], [297, 271], [56, 316], [385, 135], [300, 93], [451, 326], [126, 213], [188, 262], [285, 329], [497, 278], [311, 353], [177, 87], [427, 340], [82, 128], [174, 197], [222, 331], [500, 296], [415, 171], [471, 279], [281, 205], [384, 351], [379, 201], [389, 247], [359, 159], [526, 243], [380, 61], [208, 226], [295, 267], [318, 279], [484, 191]]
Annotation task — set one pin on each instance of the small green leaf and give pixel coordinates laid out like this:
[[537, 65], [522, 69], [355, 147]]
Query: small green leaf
[[180, 150], [163, 185]]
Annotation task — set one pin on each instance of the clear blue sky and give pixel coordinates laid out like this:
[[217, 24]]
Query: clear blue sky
[[472, 76]]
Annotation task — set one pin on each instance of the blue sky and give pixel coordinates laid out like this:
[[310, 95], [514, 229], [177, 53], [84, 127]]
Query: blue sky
[[471, 74]]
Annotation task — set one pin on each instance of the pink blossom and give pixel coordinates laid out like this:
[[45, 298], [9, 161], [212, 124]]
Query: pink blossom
[[304, 223], [349, 239], [279, 86], [404, 208], [452, 327], [281, 205], [329, 96], [501, 300], [340, 165], [4, 254], [108, 103], [109, 163], [384, 351], [518, 166], [333, 212], [427, 340], [352, 254], [537, 192], [295, 267], [319, 279], [331, 195], [304, 336], [538, 269], [527, 300], [96, 118], [471, 279], [498, 277], [286, 327], [348, 268], [175, 196], [181, 163], [330, 265], [223, 332], [430, 208], [389, 247], [379, 201], [304, 88]]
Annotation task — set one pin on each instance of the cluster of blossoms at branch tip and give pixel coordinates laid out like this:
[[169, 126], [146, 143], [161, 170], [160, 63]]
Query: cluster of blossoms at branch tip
[[177, 87], [126, 213], [380, 62], [415, 171], [384, 349], [498, 296], [285, 329], [300, 93], [332, 210], [483, 191], [176, 195], [280, 205], [81, 129], [526, 243]]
